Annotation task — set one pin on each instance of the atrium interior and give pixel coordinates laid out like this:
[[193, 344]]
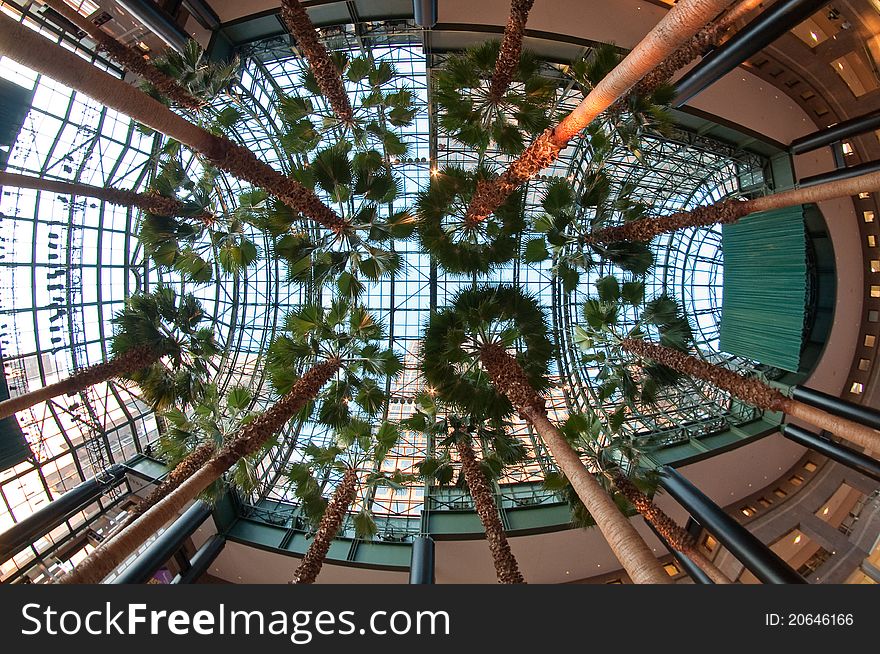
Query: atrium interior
[[788, 298]]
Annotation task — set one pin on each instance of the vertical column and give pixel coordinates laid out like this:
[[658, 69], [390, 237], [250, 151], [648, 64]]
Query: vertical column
[[745, 546]]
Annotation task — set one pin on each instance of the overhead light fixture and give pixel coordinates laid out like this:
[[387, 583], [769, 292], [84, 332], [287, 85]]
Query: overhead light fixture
[[797, 539]]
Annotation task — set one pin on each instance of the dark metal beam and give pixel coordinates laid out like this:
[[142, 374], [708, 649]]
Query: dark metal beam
[[425, 12], [838, 132], [202, 560], [421, 565], [203, 13], [163, 548], [53, 514], [693, 571], [841, 453], [751, 39], [157, 21], [863, 415], [840, 173], [745, 546]]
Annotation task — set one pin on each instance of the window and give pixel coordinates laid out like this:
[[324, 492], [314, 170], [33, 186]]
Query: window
[[864, 364], [868, 216], [809, 466], [764, 502], [796, 480], [869, 340], [778, 492], [872, 241], [748, 511], [709, 542], [856, 388], [875, 290], [875, 265], [813, 563], [671, 569]]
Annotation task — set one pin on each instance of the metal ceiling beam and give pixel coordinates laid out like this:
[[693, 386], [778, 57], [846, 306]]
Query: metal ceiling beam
[[421, 567], [751, 39], [163, 548], [203, 13], [425, 12], [864, 415], [157, 21], [837, 132], [53, 514], [763, 562], [840, 173], [202, 560], [836, 451]]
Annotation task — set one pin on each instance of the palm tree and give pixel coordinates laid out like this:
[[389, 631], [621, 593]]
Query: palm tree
[[201, 78], [357, 453], [130, 59], [696, 46], [665, 361], [249, 440], [358, 185], [30, 49], [189, 246], [468, 342], [193, 438], [151, 202], [681, 23], [731, 210], [753, 391], [460, 245], [680, 540], [511, 48], [617, 462], [343, 342], [639, 110], [346, 333], [565, 237], [455, 432], [381, 104], [324, 69], [478, 112], [157, 344]]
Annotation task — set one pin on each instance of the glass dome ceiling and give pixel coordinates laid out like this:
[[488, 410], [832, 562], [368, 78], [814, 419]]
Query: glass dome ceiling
[[68, 266]]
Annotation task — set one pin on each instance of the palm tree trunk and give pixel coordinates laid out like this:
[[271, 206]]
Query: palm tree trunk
[[313, 560], [32, 50], [672, 533], [248, 440], [181, 472], [633, 553], [121, 365], [739, 11], [506, 566], [128, 58], [730, 211], [706, 38], [326, 73], [149, 202], [511, 49], [754, 392], [683, 21]]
